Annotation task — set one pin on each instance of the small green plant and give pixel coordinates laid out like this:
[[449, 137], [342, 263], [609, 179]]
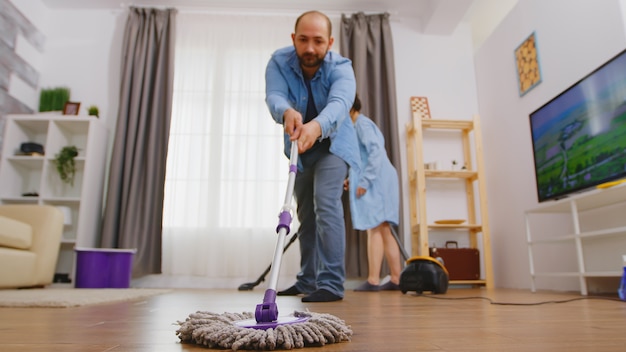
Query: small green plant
[[53, 99], [66, 165], [93, 111]]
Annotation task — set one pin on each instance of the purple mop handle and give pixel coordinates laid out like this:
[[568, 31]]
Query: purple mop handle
[[268, 310]]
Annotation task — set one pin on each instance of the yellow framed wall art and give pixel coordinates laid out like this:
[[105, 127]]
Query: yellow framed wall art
[[527, 61]]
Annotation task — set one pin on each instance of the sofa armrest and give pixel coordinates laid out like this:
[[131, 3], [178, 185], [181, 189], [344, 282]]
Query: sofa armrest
[[47, 225]]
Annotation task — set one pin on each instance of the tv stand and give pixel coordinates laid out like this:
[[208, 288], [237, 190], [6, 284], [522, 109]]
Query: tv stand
[[559, 198], [596, 220]]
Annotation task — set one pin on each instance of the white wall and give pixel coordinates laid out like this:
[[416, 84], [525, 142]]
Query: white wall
[[485, 15], [440, 68], [573, 38], [82, 52], [32, 55]]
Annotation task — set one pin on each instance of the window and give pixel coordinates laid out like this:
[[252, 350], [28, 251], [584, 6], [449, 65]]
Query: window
[[226, 171]]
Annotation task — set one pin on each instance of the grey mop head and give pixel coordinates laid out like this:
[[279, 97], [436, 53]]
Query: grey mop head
[[219, 331]]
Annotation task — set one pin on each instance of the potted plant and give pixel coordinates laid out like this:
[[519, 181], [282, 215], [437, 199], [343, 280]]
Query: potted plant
[[93, 111], [66, 165], [53, 99]]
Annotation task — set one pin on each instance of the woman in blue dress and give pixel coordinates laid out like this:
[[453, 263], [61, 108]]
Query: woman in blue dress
[[375, 202]]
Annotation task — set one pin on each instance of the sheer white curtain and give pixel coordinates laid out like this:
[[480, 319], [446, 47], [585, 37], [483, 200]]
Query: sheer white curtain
[[226, 172]]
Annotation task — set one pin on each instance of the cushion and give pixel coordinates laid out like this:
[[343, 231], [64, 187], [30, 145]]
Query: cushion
[[15, 234]]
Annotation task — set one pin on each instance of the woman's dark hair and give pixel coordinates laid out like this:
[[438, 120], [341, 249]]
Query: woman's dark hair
[[356, 106]]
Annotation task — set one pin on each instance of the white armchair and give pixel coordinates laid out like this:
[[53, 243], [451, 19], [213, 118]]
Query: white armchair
[[30, 237]]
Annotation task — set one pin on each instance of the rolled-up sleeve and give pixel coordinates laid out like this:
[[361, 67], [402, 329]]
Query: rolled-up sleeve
[[276, 91], [340, 97]]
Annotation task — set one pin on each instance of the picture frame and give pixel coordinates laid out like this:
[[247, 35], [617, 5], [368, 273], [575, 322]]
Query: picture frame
[[527, 64], [420, 105], [71, 108]]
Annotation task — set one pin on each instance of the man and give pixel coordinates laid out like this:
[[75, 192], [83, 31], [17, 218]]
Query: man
[[310, 90]]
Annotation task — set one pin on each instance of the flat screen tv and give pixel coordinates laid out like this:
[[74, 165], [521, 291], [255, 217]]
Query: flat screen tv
[[579, 137]]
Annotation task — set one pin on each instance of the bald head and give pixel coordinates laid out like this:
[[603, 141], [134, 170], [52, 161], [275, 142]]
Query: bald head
[[315, 15]]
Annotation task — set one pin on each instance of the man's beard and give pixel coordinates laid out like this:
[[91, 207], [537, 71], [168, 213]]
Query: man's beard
[[310, 60]]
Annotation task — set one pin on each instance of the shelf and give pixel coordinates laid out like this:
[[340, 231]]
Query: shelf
[[468, 282], [559, 274], [61, 200], [589, 234], [20, 174], [68, 241], [603, 274], [454, 174], [26, 160], [592, 199], [473, 227], [603, 232], [603, 239], [24, 200], [553, 239], [470, 177], [461, 174], [463, 125], [586, 274]]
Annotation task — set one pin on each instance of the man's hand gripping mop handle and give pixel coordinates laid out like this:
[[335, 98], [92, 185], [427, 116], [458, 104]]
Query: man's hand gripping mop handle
[[268, 310]]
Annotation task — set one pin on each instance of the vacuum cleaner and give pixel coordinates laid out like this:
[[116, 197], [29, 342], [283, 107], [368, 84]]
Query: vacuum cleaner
[[422, 274]]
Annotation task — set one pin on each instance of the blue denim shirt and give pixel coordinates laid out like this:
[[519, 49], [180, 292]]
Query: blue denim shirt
[[333, 88]]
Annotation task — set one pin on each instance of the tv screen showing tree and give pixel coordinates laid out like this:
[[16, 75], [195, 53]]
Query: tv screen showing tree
[[579, 137]]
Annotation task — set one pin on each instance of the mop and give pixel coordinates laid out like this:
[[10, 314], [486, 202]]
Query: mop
[[265, 329]]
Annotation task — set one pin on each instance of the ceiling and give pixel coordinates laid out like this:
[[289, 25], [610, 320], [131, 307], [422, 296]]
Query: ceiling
[[428, 16]]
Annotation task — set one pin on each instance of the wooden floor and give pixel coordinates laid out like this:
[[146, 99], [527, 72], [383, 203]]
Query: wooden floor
[[461, 320]]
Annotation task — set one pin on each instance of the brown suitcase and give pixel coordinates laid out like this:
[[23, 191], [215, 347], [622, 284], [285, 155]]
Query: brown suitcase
[[461, 263]]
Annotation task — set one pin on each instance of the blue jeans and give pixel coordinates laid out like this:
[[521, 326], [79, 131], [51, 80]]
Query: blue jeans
[[322, 232]]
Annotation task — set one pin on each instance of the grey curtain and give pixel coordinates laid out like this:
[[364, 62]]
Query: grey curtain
[[134, 201], [367, 41]]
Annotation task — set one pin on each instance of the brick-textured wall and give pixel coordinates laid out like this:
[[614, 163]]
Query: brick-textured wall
[[12, 24]]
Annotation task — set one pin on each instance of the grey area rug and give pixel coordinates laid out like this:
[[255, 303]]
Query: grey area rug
[[72, 297]]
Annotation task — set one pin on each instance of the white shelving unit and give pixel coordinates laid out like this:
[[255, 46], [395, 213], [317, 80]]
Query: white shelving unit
[[595, 217], [23, 174]]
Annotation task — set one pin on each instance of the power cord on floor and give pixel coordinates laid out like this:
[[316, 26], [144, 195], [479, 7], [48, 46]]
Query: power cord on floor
[[523, 304]]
